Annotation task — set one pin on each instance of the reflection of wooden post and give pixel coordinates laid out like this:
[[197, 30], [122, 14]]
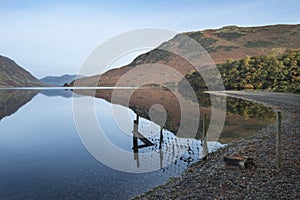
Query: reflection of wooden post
[[161, 157], [204, 146], [136, 152], [278, 141], [160, 148]]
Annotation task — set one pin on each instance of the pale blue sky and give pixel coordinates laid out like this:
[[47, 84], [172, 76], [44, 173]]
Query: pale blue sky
[[55, 37]]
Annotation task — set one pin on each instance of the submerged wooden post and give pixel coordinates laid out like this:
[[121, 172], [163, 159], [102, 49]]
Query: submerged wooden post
[[161, 138], [137, 119], [135, 144], [138, 135], [278, 141], [160, 148]]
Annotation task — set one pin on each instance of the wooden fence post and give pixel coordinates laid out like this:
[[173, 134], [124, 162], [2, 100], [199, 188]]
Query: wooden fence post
[[204, 141], [278, 141]]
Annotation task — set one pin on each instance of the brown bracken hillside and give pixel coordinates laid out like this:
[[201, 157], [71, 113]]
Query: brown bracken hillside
[[227, 43]]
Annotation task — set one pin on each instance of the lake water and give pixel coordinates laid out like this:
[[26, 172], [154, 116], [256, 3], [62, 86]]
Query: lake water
[[43, 157]]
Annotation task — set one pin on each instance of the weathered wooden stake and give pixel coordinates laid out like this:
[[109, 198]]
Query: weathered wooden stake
[[135, 142], [137, 134], [278, 141], [204, 144], [161, 138]]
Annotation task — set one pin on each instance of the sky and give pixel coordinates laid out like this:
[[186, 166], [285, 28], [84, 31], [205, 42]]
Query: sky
[[56, 37]]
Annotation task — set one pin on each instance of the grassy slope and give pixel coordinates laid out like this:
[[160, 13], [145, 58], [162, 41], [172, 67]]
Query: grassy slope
[[12, 75], [235, 43]]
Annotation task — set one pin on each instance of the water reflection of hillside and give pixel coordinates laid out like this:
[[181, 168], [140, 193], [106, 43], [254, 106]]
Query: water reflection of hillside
[[12, 100], [243, 118]]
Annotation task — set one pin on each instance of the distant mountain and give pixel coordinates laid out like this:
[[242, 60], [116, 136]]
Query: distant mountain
[[12, 75], [227, 43], [60, 80]]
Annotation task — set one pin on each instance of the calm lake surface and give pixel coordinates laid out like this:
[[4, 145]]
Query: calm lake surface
[[42, 156]]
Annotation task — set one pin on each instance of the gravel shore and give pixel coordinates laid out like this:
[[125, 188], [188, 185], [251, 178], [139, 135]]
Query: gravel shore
[[211, 179]]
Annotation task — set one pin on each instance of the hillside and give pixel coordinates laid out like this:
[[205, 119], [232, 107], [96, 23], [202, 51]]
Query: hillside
[[59, 80], [235, 43], [227, 43], [279, 72], [12, 75]]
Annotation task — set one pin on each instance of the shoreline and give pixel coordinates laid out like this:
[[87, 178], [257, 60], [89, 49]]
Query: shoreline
[[211, 179]]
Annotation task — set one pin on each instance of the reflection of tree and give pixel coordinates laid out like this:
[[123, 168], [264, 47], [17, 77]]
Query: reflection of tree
[[241, 107], [12, 100], [249, 109], [244, 118]]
